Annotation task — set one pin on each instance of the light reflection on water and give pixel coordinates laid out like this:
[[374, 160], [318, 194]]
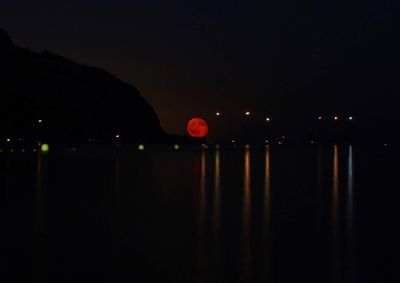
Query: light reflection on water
[[350, 219], [115, 206], [267, 186], [267, 235], [217, 193], [216, 262], [335, 239], [201, 256], [246, 228], [231, 211], [39, 219]]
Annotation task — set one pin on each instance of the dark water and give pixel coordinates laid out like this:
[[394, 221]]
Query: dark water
[[280, 214]]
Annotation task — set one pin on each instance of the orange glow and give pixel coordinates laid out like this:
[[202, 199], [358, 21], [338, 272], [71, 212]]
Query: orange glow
[[197, 128]]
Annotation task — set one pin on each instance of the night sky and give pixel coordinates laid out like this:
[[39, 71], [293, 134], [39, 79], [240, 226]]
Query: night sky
[[283, 58]]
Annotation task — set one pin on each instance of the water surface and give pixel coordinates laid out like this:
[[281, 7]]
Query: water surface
[[276, 214]]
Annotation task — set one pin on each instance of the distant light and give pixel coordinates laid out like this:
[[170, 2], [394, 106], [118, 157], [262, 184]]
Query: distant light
[[45, 148], [40, 121], [218, 114], [280, 142], [312, 142], [8, 140], [233, 141], [217, 146], [268, 119], [117, 136], [385, 144], [336, 118], [34, 150], [350, 118], [22, 150], [247, 113], [176, 146], [283, 137], [141, 147], [11, 150], [266, 141], [319, 118], [204, 146]]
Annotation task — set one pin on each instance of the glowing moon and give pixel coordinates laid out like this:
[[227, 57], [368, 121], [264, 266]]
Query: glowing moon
[[197, 128]]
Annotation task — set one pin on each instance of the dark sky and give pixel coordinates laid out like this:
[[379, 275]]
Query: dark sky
[[191, 58]]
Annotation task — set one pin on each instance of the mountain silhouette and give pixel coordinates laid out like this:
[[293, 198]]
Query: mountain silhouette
[[47, 97]]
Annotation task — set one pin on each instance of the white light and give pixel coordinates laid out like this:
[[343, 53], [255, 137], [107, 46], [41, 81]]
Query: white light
[[218, 114], [312, 142], [266, 141], [350, 118], [319, 118], [117, 136], [247, 113], [336, 117], [8, 140], [268, 119], [233, 141], [40, 121], [204, 146]]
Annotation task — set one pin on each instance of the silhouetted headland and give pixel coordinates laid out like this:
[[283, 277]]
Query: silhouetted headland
[[45, 97]]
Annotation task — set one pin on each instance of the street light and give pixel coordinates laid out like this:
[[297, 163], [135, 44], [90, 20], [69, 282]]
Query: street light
[[247, 113], [268, 119], [218, 114], [336, 118], [350, 118], [319, 118]]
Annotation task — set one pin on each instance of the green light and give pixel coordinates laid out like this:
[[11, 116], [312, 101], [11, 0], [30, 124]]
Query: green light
[[44, 148], [176, 146], [141, 147]]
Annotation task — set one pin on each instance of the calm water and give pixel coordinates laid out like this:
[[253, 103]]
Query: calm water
[[280, 214]]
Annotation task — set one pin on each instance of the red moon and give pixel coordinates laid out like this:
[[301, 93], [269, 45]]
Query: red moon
[[197, 128]]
